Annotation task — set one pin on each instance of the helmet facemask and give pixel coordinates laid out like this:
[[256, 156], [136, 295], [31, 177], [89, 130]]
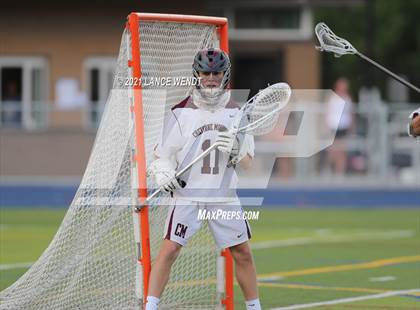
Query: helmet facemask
[[211, 61], [212, 88]]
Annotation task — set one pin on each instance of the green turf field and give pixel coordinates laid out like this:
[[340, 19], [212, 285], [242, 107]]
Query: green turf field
[[355, 259]]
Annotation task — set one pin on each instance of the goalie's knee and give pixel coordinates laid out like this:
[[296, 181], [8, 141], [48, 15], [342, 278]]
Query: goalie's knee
[[242, 253], [170, 250]]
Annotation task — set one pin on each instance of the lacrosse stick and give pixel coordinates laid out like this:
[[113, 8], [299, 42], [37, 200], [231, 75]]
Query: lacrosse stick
[[330, 42], [261, 111]]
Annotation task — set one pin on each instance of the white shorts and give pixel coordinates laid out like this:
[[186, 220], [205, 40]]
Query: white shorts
[[224, 219]]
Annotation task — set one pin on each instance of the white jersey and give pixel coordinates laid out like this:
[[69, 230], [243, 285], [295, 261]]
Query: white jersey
[[187, 132]]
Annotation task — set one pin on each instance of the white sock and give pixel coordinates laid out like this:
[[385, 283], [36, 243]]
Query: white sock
[[253, 304], [152, 303]]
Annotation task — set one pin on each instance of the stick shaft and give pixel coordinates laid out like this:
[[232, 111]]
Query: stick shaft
[[390, 73], [212, 147], [183, 170], [205, 153], [198, 158]]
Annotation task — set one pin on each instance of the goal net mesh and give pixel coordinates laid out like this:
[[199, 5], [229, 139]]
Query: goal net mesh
[[91, 261]]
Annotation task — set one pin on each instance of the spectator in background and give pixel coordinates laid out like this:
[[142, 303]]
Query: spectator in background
[[414, 125], [337, 153]]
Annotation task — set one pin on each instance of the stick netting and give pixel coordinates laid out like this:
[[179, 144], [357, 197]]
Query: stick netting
[[265, 107], [330, 42], [90, 263]]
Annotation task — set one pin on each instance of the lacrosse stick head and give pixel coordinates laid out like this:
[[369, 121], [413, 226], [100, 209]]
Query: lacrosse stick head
[[264, 111], [330, 42]]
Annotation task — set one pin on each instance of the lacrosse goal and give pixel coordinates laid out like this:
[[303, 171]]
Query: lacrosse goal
[[100, 258]]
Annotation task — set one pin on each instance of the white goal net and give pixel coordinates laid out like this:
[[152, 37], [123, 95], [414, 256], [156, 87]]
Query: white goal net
[[91, 261]]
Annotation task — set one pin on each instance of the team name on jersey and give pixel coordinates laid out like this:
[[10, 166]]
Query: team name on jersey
[[207, 127]]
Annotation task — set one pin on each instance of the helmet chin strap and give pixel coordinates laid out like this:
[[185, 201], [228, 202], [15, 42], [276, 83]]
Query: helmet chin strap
[[209, 102]]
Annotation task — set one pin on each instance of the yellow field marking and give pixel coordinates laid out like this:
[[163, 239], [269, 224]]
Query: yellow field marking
[[348, 267], [291, 286], [209, 281], [367, 265]]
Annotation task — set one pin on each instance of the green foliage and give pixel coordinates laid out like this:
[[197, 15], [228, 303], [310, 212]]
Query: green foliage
[[396, 43]]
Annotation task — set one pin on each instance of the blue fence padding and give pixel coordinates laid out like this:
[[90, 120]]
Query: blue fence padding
[[62, 196], [336, 197], [36, 195]]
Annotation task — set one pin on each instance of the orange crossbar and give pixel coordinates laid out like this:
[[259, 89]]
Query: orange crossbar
[[220, 21]]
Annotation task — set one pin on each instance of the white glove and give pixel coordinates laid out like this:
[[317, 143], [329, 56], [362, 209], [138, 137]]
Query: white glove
[[246, 148], [164, 172], [227, 142], [167, 181]]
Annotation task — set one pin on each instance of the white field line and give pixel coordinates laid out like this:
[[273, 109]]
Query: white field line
[[346, 300], [382, 279], [15, 266], [362, 236]]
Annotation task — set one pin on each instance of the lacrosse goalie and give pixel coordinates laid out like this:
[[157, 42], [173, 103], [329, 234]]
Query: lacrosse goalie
[[192, 126]]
